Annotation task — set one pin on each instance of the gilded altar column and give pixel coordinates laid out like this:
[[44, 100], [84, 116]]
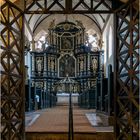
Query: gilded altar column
[[55, 66], [88, 64], [33, 64], [45, 65], [85, 64], [77, 66], [56, 40], [45, 94], [83, 37]]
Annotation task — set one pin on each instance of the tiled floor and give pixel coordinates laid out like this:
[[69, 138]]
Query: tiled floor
[[94, 119], [56, 120], [99, 123], [31, 118]]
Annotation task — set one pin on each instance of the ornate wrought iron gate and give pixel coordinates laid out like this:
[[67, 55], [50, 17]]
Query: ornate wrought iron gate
[[126, 70]]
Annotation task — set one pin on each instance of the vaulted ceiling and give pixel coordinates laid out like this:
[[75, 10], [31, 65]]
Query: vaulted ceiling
[[93, 23], [39, 23]]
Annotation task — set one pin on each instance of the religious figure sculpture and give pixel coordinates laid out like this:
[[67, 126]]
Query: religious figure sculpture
[[39, 65], [81, 64], [66, 44], [52, 24], [79, 23], [52, 64], [94, 64]]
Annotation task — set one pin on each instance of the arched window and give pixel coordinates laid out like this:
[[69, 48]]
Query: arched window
[[110, 42], [93, 42], [41, 44]]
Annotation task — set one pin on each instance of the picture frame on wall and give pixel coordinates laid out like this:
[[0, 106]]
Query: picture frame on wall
[[67, 43]]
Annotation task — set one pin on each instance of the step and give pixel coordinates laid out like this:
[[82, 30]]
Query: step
[[64, 136]]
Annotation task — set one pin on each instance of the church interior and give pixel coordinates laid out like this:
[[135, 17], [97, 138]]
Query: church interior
[[69, 69]]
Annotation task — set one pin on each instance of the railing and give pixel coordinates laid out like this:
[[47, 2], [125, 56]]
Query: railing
[[104, 93], [87, 99], [70, 133]]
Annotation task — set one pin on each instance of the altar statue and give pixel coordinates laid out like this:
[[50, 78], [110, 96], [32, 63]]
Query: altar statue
[[52, 24], [94, 64], [39, 64]]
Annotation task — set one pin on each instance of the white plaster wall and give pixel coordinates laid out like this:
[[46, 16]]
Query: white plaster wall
[[28, 63], [108, 46], [28, 56]]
